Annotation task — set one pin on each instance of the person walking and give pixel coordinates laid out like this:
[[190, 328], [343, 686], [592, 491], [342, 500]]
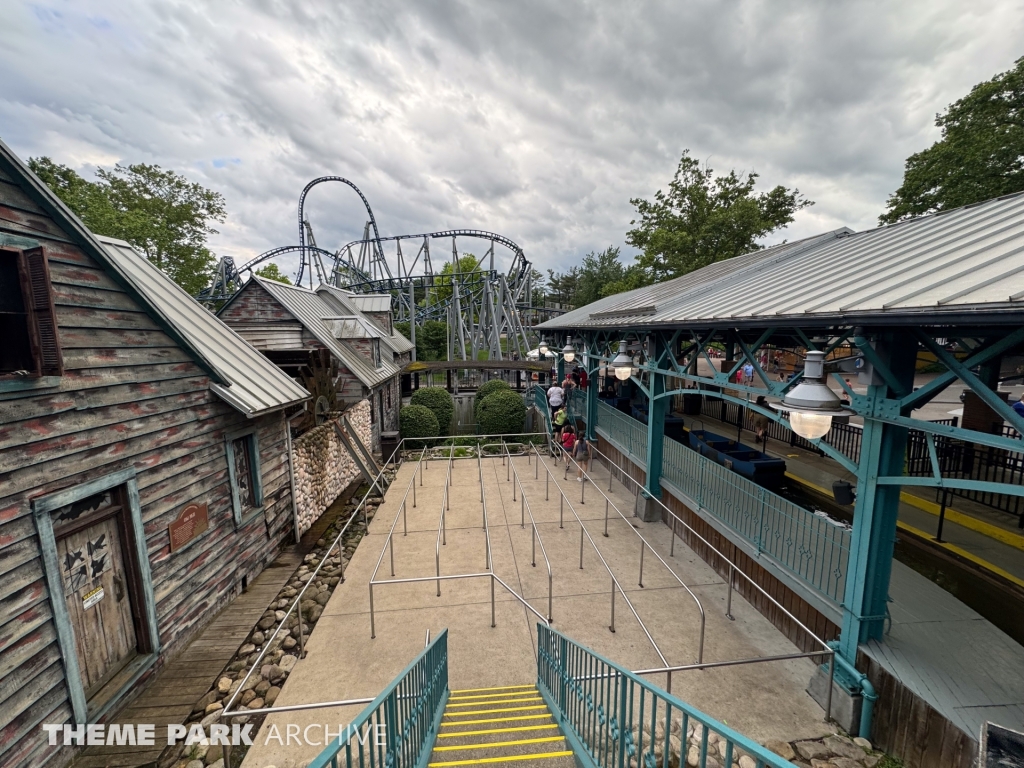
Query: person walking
[[568, 442], [581, 452], [558, 422], [761, 421], [748, 373], [556, 397]]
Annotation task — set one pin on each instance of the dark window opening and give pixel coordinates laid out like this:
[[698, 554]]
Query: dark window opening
[[241, 449], [16, 351], [28, 324]]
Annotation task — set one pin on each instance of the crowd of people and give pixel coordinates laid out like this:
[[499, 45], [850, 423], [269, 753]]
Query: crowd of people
[[573, 445]]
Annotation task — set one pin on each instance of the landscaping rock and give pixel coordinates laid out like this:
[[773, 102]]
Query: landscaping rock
[[206, 701], [224, 685], [843, 747], [862, 743], [256, 703], [272, 695], [846, 762], [780, 748], [287, 662], [257, 638], [809, 750]]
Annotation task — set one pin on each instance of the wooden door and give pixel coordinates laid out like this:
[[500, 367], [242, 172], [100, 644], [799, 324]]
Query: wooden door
[[91, 556]]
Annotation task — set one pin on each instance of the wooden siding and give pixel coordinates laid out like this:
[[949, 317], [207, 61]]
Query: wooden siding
[[130, 397], [906, 726]]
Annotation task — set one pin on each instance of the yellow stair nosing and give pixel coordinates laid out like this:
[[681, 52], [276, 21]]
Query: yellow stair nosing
[[492, 695], [494, 688], [497, 719], [493, 711], [515, 729], [495, 744], [502, 759], [489, 703]]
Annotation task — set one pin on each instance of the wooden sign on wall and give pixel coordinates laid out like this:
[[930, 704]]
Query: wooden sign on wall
[[193, 520]]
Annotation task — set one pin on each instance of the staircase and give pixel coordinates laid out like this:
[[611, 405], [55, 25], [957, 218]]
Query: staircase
[[499, 725]]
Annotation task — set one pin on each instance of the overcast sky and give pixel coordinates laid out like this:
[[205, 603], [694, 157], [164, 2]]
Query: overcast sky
[[536, 120]]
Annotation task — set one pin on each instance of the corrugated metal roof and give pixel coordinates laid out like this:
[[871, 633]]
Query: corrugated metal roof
[[371, 302], [310, 308], [969, 259], [252, 384], [345, 299]]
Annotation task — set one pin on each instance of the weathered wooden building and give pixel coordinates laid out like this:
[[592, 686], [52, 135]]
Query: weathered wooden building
[[143, 468], [286, 322]]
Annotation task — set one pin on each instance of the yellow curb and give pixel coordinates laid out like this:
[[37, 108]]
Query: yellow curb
[[985, 564], [1003, 536], [1009, 538]]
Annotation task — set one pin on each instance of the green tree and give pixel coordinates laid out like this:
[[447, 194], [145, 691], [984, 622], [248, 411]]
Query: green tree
[[440, 402], [432, 341], [598, 271], [562, 287], [468, 269], [980, 154], [703, 219], [161, 213], [272, 272]]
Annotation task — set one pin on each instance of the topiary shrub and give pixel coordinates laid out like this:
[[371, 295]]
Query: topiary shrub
[[501, 413], [440, 402], [488, 388], [417, 421]]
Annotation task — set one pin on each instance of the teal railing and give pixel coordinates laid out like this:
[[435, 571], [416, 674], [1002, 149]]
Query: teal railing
[[811, 547], [398, 728], [612, 718], [626, 432]]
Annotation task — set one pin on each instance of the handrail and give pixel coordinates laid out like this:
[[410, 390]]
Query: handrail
[[407, 713], [645, 545], [639, 723], [296, 603], [732, 566], [442, 525], [488, 574], [389, 544], [734, 569], [525, 507], [615, 581], [483, 509]]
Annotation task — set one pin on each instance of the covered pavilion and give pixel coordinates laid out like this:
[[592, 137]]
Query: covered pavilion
[[945, 290]]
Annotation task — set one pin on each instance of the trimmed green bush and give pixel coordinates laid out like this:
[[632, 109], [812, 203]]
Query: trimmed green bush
[[501, 412], [488, 388], [417, 421], [440, 402]]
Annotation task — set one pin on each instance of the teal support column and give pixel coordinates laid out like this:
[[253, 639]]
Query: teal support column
[[560, 366], [883, 449], [592, 393], [657, 407]]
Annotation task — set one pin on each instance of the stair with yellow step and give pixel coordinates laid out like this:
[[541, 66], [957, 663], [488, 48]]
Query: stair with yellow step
[[510, 724]]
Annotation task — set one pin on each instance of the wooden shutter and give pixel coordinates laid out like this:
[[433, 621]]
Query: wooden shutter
[[44, 318]]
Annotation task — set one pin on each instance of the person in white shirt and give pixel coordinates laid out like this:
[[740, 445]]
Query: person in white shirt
[[556, 396]]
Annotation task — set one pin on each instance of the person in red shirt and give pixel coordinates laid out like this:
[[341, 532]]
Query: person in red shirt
[[583, 377], [568, 441]]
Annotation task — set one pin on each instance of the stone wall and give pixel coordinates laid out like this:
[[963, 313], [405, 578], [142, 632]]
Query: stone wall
[[323, 466]]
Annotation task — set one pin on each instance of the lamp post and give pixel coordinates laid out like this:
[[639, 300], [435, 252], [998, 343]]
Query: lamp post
[[543, 348], [811, 405]]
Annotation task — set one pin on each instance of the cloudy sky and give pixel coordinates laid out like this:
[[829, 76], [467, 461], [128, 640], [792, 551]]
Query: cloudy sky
[[536, 120]]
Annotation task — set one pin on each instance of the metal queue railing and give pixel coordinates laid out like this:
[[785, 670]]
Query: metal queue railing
[[437, 578], [524, 508], [826, 652], [615, 585], [618, 719], [400, 725], [644, 546], [442, 524]]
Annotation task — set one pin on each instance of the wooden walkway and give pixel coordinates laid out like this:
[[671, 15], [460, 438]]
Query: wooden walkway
[[179, 685], [169, 698]]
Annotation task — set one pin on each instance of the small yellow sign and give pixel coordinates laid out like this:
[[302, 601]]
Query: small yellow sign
[[91, 598]]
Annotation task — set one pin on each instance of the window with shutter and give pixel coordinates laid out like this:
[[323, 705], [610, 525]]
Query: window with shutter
[[28, 324]]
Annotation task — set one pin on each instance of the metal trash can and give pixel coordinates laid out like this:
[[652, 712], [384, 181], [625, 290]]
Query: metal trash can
[[389, 444]]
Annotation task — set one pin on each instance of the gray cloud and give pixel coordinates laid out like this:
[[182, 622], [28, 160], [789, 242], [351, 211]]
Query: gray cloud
[[537, 120]]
